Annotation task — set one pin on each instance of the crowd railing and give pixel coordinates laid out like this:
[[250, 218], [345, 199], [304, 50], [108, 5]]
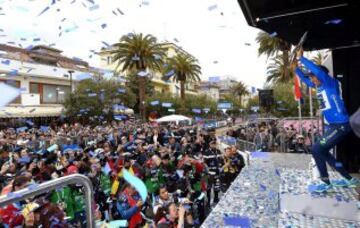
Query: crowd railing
[[35, 190]]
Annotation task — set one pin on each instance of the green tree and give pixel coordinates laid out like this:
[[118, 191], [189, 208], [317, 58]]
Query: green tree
[[185, 68], [271, 46], [318, 58], [190, 103], [240, 90], [105, 95], [132, 85], [276, 71], [135, 53]]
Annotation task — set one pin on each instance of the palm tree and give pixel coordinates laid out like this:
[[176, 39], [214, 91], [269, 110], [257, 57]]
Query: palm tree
[[185, 68], [270, 46], [240, 89], [136, 53], [276, 71], [318, 58]]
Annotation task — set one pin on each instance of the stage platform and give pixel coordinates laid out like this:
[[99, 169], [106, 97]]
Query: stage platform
[[273, 192]]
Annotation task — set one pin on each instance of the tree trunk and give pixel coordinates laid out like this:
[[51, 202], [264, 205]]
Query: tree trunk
[[142, 98], [182, 90], [286, 65]]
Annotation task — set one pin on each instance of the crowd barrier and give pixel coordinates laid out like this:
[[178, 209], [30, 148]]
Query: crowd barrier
[[35, 190]]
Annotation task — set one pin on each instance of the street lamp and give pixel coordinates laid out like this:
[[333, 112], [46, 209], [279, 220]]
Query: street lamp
[[71, 84]]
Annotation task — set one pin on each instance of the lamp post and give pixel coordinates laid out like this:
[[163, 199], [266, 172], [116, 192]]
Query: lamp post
[[71, 84]]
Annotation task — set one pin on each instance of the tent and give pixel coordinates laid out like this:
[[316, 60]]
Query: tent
[[173, 118]]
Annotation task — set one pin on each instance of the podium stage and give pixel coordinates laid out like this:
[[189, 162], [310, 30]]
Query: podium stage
[[273, 192]]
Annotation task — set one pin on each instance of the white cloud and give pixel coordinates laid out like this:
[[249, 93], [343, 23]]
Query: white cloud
[[207, 35]]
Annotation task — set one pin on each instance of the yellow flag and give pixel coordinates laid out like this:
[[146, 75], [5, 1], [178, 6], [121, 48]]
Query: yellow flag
[[115, 185]]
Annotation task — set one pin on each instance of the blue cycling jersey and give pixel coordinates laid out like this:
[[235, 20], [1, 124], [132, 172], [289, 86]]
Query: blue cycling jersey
[[329, 96]]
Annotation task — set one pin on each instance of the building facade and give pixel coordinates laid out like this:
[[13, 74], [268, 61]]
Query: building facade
[[211, 90], [44, 76], [159, 83]]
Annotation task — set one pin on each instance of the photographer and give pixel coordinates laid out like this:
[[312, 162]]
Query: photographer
[[171, 216]]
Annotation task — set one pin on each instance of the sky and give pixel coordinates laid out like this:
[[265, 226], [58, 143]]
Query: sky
[[210, 30]]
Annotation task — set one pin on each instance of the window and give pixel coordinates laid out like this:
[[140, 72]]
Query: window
[[34, 88], [55, 94]]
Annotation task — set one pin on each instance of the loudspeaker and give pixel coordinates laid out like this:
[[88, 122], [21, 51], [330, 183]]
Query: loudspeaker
[[266, 98]]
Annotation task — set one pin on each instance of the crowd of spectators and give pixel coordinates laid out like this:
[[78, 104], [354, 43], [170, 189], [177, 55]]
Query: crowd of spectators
[[272, 137], [182, 168]]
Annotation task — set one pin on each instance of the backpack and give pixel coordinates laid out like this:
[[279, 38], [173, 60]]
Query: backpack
[[355, 122]]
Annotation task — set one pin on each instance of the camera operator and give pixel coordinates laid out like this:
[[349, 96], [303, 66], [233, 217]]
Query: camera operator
[[170, 216]]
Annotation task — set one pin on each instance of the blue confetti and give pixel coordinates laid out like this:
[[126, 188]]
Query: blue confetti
[[5, 62], [262, 187], [277, 172], [94, 7], [273, 34], [334, 22], [243, 222], [170, 73], [338, 198], [106, 44], [142, 73], [212, 7], [103, 26], [44, 10], [146, 3], [338, 165]]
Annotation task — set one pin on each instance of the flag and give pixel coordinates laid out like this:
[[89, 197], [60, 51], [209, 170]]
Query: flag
[[297, 88]]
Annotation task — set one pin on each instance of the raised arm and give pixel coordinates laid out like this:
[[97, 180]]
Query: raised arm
[[315, 69], [304, 79]]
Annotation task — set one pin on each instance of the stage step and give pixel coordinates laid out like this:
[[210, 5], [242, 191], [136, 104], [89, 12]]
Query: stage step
[[272, 192]]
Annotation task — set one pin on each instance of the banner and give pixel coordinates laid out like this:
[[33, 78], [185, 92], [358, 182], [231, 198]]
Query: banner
[[225, 105], [166, 105]]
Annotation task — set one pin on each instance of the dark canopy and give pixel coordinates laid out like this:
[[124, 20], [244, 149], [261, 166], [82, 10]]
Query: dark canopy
[[331, 23]]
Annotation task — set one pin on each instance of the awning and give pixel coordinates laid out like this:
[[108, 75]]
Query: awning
[[30, 111], [330, 23]]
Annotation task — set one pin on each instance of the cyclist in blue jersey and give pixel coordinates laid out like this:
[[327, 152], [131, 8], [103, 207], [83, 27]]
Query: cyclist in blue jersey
[[336, 117]]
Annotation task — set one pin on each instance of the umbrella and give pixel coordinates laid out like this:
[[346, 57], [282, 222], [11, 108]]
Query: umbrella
[[173, 118]]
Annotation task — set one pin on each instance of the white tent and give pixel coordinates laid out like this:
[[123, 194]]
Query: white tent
[[173, 118]]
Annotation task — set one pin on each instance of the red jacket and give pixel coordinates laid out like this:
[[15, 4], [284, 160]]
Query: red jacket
[[11, 216]]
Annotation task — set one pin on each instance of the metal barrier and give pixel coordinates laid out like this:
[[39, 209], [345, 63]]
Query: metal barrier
[[304, 123], [52, 185], [243, 145]]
